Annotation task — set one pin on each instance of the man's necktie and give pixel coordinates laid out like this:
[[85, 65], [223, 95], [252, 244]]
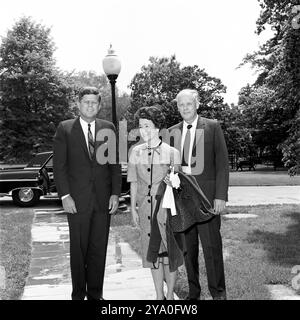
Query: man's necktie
[[91, 142], [186, 147]]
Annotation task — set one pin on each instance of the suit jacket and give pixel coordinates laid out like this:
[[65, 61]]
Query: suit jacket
[[191, 206], [76, 174], [209, 157]]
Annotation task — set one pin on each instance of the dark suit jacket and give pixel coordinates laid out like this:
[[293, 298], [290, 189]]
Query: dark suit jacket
[[76, 174], [192, 207], [211, 165]]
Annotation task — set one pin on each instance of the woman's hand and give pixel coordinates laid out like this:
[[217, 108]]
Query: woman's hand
[[113, 204], [167, 180], [135, 217]]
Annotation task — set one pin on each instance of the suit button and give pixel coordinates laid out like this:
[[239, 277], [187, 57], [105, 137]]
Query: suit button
[[149, 200], [149, 186], [148, 234], [148, 169], [148, 217], [149, 154]]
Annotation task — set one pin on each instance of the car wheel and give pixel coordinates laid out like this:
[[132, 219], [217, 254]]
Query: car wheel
[[25, 197]]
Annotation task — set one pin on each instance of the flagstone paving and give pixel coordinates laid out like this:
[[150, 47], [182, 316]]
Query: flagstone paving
[[49, 274]]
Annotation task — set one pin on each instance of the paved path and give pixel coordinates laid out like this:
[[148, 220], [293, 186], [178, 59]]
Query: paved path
[[49, 274], [125, 279], [244, 196]]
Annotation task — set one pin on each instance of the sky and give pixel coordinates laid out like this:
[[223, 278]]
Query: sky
[[215, 35]]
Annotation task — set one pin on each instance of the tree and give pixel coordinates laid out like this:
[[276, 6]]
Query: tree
[[278, 61], [161, 80], [237, 135], [33, 92], [263, 119]]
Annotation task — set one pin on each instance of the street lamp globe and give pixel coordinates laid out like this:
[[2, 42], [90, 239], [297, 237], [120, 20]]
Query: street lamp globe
[[111, 63], [112, 67]]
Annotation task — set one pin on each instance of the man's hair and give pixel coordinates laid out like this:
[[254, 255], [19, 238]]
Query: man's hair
[[89, 90], [192, 92], [152, 113]]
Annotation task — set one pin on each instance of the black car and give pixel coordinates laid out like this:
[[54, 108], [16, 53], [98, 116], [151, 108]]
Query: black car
[[27, 184]]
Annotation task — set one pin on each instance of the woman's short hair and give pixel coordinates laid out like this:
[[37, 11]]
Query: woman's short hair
[[152, 113], [89, 90]]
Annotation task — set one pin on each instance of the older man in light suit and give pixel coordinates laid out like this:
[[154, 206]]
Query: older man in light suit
[[204, 155]]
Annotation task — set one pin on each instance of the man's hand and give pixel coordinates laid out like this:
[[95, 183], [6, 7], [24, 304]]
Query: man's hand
[[69, 205], [219, 206], [113, 204]]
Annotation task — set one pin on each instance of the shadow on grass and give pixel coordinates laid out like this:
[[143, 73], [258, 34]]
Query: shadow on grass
[[282, 248]]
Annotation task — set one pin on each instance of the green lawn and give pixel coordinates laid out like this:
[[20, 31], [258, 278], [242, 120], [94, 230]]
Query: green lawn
[[259, 250], [262, 178], [122, 224], [15, 253]]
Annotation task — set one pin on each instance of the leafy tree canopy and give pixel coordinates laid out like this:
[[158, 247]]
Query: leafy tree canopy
[[273, 104], [161, 80], [33, 92]]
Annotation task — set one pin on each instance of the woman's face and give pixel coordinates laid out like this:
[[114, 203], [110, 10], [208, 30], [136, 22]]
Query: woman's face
[[148, 130]]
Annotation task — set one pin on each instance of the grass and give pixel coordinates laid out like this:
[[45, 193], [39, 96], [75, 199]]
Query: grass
[[262, 178], [122, 225], [260, 251], [15, 253]]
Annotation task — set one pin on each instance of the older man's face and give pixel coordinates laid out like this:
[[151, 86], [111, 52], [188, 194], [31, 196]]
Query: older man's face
[[187, 107]]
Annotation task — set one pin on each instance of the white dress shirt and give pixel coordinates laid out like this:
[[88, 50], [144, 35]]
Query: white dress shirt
[[187, 169], [85, 129]]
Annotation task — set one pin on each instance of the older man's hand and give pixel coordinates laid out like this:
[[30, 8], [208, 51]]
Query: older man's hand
[[219, 206]]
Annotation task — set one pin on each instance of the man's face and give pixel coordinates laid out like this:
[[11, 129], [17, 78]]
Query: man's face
[[88, 107], [187, 107]]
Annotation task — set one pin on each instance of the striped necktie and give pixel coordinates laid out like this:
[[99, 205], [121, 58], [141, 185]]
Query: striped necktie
[[186, 147], [91, 142]]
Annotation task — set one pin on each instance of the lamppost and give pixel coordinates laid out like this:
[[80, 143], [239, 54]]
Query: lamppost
[[112, 67]]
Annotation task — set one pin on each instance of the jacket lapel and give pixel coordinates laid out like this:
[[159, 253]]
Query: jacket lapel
[[97, 128], [176, 134], [198, 148], [199, 131], [80, 136]]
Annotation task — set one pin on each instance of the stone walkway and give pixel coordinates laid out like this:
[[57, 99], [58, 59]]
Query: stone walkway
[[49, 274]]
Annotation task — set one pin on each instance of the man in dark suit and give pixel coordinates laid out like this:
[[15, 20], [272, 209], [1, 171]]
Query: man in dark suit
[[204, 155], [89, 188]]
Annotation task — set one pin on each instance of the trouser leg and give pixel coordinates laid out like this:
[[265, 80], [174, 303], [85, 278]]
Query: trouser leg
[[191, 262], [211, 241], [96, 255], [79, 224]]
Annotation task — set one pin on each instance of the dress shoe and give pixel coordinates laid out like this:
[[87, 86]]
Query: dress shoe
[[222, 297], [92, 298], [201, 297]]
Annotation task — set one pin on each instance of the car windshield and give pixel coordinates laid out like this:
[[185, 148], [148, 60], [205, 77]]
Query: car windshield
[[38, 160]]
